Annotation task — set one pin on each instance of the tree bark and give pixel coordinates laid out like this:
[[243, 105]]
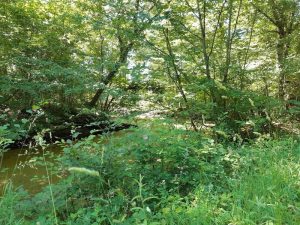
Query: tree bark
[[177, 78], [282, 54]]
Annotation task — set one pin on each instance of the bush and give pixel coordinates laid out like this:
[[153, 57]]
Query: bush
[[157, 174]]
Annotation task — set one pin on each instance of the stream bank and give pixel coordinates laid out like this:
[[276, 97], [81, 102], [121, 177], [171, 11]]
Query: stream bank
[[26, 167], [54, 124]]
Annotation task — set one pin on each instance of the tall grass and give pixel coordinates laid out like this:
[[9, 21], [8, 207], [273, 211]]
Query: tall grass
[[160, 175]]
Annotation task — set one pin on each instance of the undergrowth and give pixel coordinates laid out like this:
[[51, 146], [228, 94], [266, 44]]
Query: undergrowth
[[156, 174]]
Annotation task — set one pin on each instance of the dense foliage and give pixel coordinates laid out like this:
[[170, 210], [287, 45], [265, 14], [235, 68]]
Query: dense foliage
[[161, 175], [214, 56], [222, 76]]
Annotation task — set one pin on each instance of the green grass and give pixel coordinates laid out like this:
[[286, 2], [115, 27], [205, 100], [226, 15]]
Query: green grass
[[267, 193], [156, 174]]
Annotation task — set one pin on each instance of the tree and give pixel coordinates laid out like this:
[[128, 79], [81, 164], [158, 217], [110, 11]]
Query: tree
[[284, 15], [126, 21]]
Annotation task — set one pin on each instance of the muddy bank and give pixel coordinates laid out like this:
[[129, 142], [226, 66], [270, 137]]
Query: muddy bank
[[71, 132], [68, 127]]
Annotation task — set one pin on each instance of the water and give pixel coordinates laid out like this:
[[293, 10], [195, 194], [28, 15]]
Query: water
[[26, 167]]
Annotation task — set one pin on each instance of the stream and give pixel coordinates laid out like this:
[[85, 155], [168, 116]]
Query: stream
[[26, 166]]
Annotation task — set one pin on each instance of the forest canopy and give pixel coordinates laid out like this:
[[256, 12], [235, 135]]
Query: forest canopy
[[79, 53]]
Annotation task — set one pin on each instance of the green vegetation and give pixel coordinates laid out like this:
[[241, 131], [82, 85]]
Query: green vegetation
[[161, 175], [149, 112]]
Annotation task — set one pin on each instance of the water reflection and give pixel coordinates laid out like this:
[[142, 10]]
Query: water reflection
[[26, 167]]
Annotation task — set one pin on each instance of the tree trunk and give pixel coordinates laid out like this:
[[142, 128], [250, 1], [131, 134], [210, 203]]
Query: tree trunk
[[177, 78], [124, 51], [282, 54]]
